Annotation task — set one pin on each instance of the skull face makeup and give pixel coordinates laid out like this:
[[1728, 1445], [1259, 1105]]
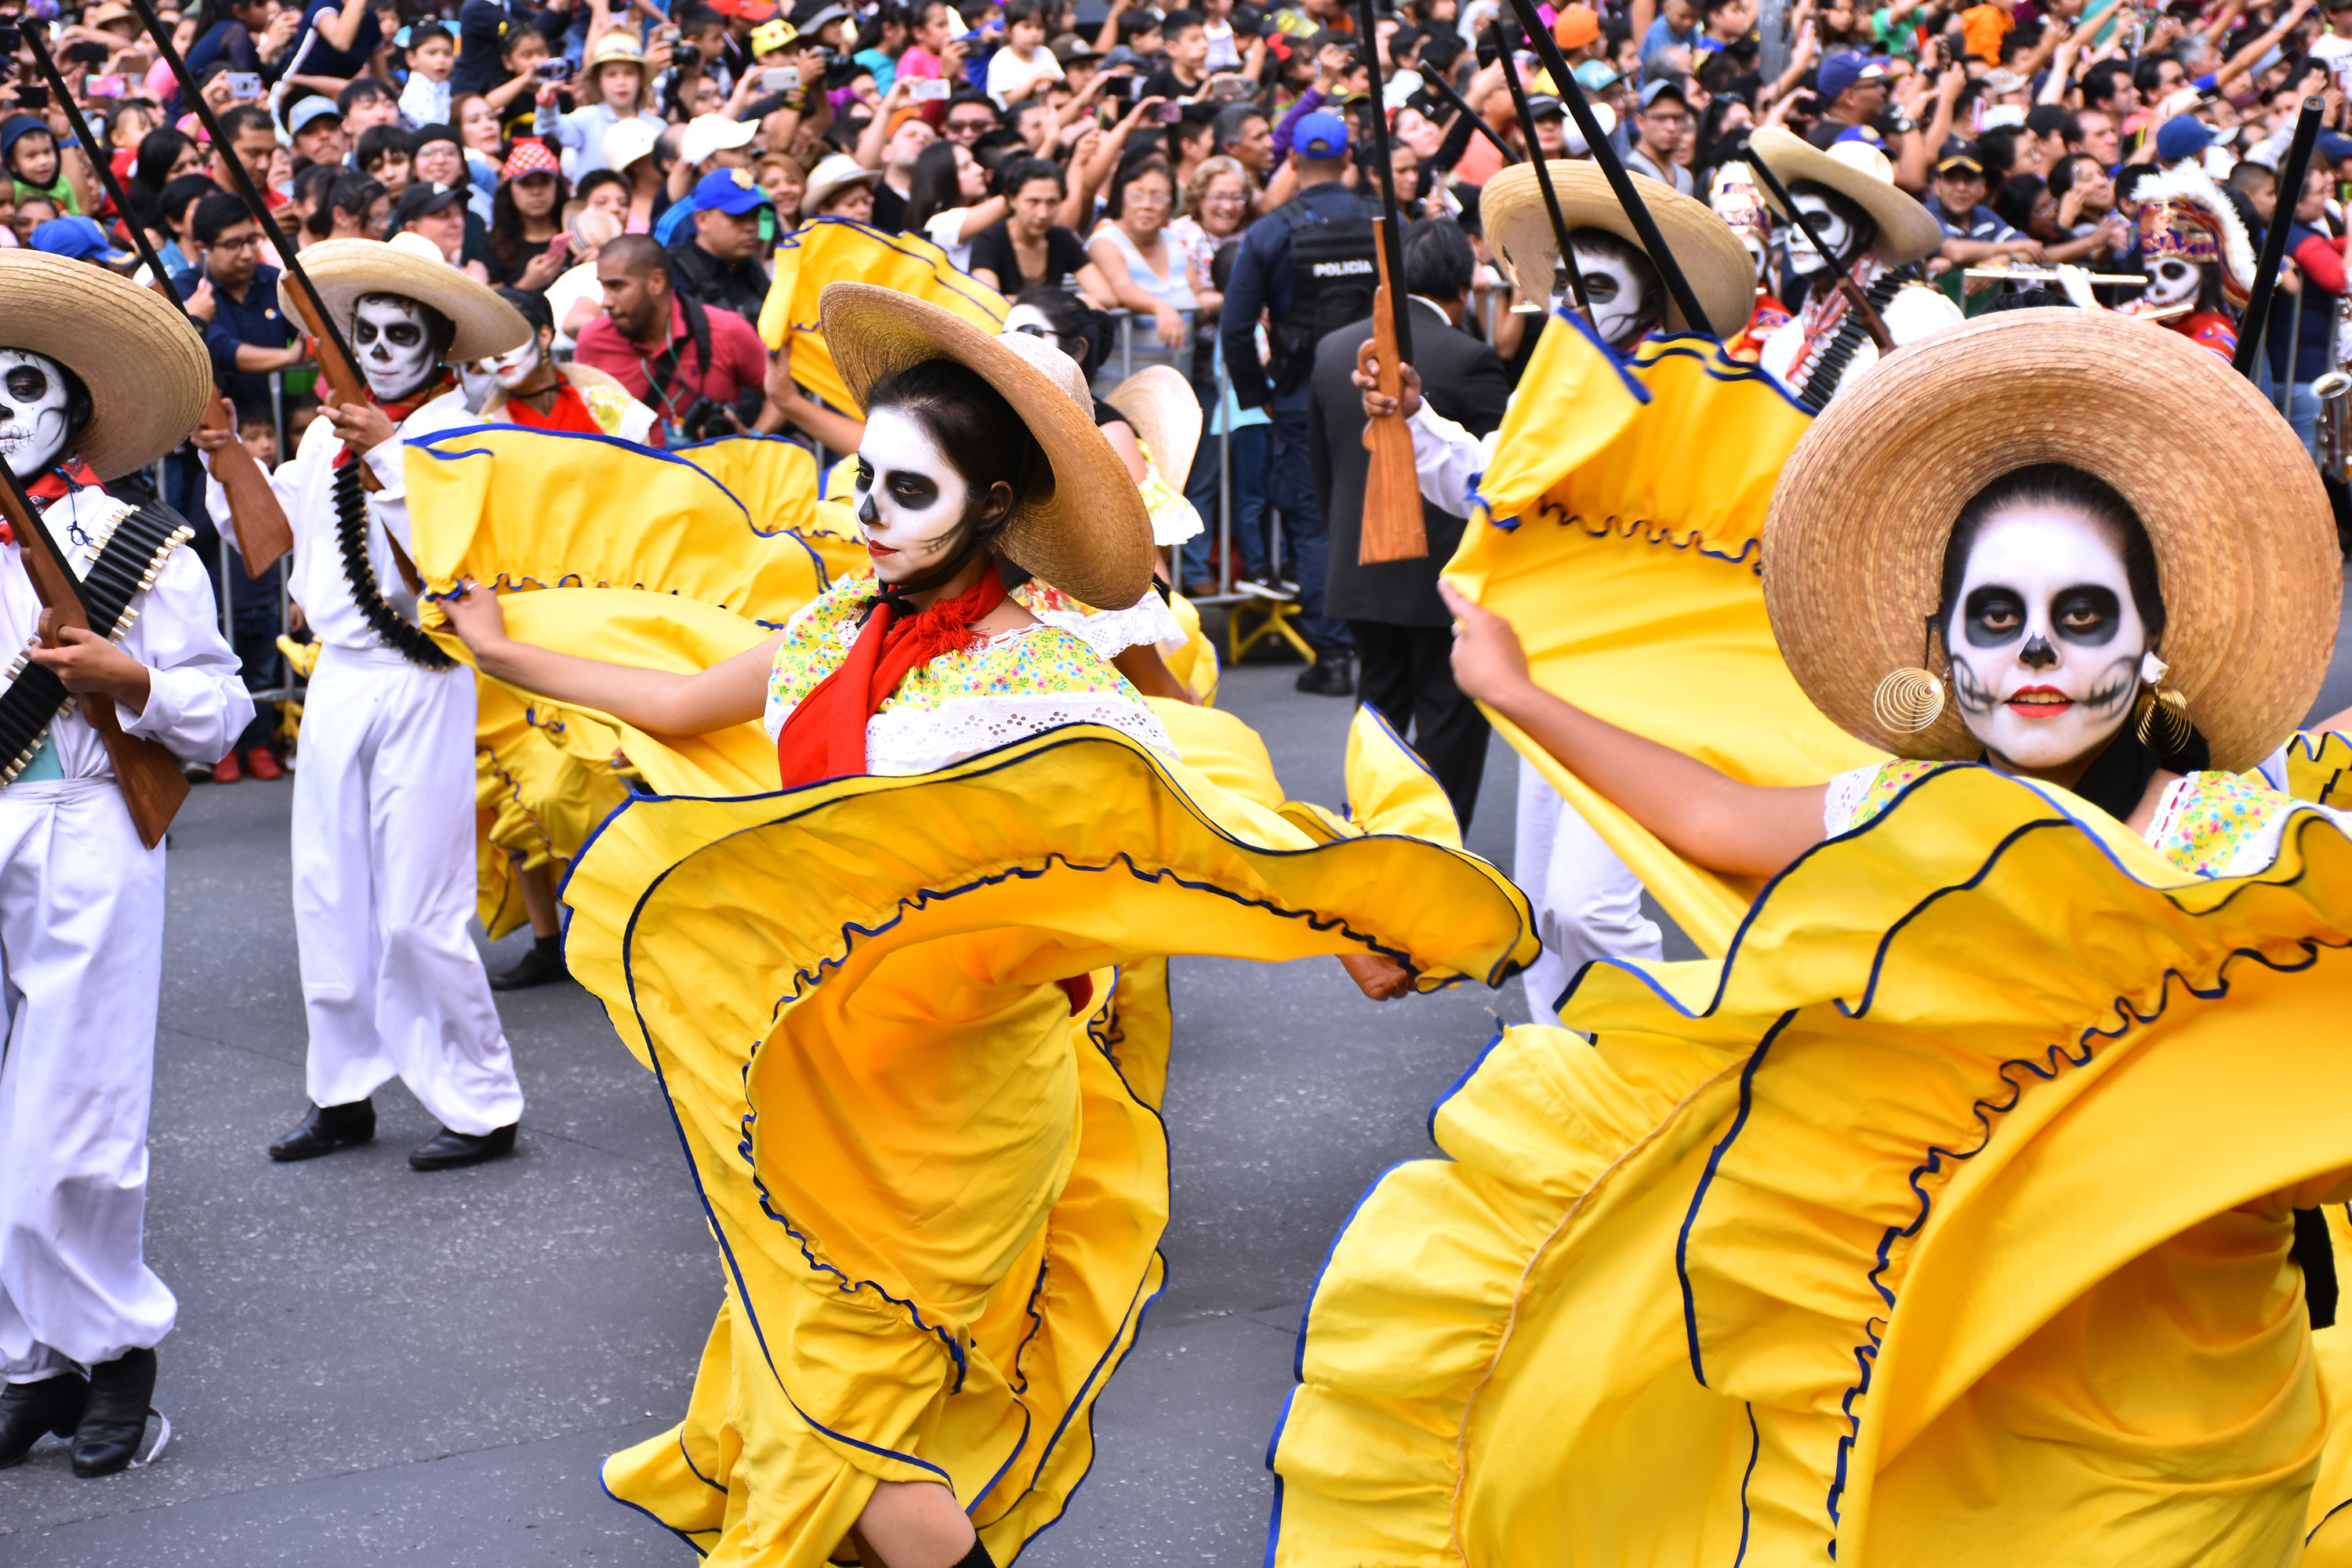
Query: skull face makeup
[[911, 501], [34, 429], [1627, 299], [394, 344], [2173, 280], [1843, 226], [518, 366], [2045, 638]]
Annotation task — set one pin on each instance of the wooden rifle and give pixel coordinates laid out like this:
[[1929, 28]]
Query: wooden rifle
[[1393, 527], [263, 534], [152, 784]]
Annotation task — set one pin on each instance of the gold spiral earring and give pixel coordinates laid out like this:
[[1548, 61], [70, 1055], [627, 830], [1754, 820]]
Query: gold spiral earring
[[2163, 717], [1908, 700]]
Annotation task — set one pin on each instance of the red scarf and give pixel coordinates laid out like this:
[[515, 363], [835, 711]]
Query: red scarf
[[60, 481], [400, 409], [825, 736], [570, 412]]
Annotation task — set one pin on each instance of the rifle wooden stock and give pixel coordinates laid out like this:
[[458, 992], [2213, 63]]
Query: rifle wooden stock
[[1392, 528], [152, 784]]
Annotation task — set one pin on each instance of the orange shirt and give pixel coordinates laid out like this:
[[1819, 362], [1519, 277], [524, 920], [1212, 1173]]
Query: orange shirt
[[1985, 27]]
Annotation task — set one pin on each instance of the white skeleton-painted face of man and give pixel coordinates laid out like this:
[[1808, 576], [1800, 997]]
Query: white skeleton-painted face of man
[[911, 499], [394, 344], [32, 412], [1620, 289], [517, 365], [1835, 232], [2045, 640], [2173, 280]]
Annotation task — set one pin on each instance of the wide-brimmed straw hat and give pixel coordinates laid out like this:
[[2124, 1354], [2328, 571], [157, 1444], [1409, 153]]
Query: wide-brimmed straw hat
[[1159, 403], [148, 375], [409, 266], [1518, 229], [1859, 172], [1084, 529], [2244, 541]]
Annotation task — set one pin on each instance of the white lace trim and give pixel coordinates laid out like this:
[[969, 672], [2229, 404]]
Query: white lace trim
[[2168, 807], [909, 740], [1174, 523], [1843, 804], [1147, 622]]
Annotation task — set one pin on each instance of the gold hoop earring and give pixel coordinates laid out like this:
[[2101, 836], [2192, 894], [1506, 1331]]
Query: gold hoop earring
[[2163, 718], [1908, 700]]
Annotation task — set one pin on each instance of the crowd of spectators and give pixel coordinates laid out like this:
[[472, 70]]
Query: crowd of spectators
[[1152, 178]]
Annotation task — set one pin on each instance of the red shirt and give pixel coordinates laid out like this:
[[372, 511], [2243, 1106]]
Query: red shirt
[[739, 362]]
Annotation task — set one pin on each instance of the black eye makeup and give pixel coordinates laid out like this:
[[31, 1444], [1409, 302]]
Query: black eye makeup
[[1993, 615], [26, 383], [2086, 613]]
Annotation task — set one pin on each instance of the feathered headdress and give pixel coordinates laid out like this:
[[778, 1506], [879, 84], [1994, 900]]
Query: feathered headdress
[[2184, 213]]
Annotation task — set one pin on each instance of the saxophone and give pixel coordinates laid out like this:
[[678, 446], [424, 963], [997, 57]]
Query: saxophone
[[2333, 387]]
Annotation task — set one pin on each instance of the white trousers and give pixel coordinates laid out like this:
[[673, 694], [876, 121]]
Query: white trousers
[[383, 885], [82, 956], [1587, 902]]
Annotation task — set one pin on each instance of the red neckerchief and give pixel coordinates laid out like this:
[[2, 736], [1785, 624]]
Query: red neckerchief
[[825, 736], [570, 412], [1824, 313], [400, 409], [59, 482]]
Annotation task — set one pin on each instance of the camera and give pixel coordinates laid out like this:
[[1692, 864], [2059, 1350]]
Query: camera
[[1128, 89], [86, 54], [33, 95], [558, 70], [11, 38], [687, 55]]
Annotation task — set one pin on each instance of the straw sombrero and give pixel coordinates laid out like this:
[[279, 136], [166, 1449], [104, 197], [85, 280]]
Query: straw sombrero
[[1859, 172], [148, 375], [1085, 529], [1518, 229], [411, 267], [1159, 403], [2245, 543]]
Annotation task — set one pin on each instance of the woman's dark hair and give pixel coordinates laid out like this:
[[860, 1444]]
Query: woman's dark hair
[[534, 308], [151, 172], [973, 423], [506, 240], [1018, 171], [933, 187], [2014, 204], [1078, 328], [352, 192], [597, 178], [1151, 163], [176, 198], [2058, 487]]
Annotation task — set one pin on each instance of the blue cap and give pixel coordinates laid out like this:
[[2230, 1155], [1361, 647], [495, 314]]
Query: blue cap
[[1841, 70], [1321, 134], [731, 191], [1868, 135], [77, 239], [2334, 146], [2184, 137], [311, 109], [1597, 76]]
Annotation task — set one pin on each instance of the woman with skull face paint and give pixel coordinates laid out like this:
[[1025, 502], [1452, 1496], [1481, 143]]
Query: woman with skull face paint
[[384, 802], [939, 1183], [97, 378], [1874, 1241], [2199, 260]]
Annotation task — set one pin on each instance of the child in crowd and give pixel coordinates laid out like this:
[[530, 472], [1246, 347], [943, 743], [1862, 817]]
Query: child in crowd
[[432, 55]]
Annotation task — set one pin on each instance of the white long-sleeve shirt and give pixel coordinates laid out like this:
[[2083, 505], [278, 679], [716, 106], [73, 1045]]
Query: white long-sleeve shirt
[[197, 700], [306, 488], [1447, 460]]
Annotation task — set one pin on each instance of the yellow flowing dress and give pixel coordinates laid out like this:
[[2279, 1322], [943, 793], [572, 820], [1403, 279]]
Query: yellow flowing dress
[[938, 1194], [1944, 1218]]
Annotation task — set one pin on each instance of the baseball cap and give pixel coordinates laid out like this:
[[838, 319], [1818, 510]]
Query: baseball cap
[[426, 135], [2334, 146], [422, 200], [1321, 135], [2185, 137], [1842, 69], [731, 191], [628, 141], [1575, 27], [1959, 156], [708, 133], [529, 156], [747, 10], [1543, 106], [1662, 88], [311, 109], [1070, 48], [1597, 76], [770, 37], [1572, 137], [77, 239], [1866, 134]]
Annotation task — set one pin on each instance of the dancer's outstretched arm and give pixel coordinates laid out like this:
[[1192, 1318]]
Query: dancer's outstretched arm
[[658, 701], [1704, 816]]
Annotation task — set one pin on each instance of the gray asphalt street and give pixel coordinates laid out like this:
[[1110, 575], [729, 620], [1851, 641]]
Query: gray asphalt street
[[373, 1366]]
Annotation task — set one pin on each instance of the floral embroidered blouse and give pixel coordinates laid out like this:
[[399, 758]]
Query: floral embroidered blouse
[[1108, 632], [1022, 682], [2207, 823]]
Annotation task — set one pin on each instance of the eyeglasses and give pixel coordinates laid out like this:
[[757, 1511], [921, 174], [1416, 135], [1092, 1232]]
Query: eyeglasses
[[1228, 198], [1146, 198], [246, 242]]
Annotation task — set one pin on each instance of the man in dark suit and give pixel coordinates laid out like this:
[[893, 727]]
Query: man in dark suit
[[1404, 638]]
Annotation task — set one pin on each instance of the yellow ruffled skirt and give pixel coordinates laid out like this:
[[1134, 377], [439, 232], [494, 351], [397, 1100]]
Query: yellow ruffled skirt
[[1945, 1220]]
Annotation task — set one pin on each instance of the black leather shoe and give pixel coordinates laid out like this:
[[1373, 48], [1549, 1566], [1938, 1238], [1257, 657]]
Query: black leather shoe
[[31, 1411], [446, 1151], [327, 1129], [114, 1423], [542, 965], [1328, 676]]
